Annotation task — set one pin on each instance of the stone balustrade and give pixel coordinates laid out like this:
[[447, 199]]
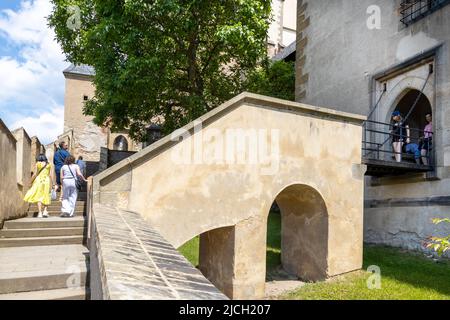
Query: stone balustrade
[[131, 261]]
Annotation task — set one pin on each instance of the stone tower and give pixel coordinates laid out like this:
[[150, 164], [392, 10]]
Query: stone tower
[[84, 137]]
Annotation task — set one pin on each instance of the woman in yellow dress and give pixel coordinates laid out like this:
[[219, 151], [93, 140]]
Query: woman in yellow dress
[[41, 188]]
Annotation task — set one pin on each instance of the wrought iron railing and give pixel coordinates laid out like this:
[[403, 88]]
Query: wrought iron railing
[[377, 144], [413, 10]]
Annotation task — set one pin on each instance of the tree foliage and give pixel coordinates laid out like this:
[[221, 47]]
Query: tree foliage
[[173, 59], [438, 244], [275, 79]]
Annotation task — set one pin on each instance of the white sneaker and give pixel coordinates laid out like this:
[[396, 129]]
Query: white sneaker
[[40, 215], [45, 214]]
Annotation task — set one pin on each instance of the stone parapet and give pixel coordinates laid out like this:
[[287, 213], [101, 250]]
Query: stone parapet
[[132, 261]]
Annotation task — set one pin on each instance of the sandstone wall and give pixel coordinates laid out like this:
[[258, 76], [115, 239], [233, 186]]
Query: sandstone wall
[[12, 176], [23, 159], [36, 149]]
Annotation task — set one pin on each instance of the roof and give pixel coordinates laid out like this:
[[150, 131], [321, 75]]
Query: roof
[[80, 69], [286, 52]]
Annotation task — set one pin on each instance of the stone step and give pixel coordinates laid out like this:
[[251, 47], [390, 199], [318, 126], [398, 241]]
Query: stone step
[[78, 212], [40, 241], [41, 232], [43, 268], [35, 282], [52, 222], [56, 294], [57, 204]]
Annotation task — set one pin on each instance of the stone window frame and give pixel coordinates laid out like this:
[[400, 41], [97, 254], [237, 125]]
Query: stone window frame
[[429, 56]]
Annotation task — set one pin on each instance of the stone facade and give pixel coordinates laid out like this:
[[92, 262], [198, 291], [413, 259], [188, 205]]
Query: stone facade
[[345, 63], [36, 149], [84, 137], [15, 172], [184, 192], [23, 156], [282, 30]]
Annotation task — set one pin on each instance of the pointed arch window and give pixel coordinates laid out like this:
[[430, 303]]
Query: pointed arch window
[[120, 143]]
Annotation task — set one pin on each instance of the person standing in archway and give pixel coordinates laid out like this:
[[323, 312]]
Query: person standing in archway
[[427, 140], [400, 135]]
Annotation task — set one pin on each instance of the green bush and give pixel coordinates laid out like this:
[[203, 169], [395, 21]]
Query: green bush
[[440, 245], [275, 79]]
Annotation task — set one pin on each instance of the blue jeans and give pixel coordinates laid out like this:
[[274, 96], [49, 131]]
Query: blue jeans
[[413, 148]]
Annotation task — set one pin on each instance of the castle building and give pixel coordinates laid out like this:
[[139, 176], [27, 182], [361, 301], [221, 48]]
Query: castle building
[[282, 30], [374, 57], [83, 136]]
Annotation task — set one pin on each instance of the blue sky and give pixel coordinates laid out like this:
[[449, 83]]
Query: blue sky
[[31, 65]]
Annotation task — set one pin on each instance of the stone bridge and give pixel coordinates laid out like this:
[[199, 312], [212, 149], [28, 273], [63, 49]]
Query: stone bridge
[[218, 177]]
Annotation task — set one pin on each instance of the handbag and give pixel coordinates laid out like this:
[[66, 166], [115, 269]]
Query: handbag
[[54, 195], [78, 184]]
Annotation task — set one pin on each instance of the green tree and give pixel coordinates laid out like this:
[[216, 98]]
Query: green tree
[[275, 79], [174, 59]]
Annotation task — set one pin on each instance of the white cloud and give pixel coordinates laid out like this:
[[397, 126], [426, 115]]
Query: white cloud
[[32, 80], [47, 126]]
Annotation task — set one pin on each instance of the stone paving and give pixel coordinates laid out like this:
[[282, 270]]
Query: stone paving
[[135, 262]]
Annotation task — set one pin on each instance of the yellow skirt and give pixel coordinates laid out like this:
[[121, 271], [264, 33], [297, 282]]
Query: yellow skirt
[[39, 191]]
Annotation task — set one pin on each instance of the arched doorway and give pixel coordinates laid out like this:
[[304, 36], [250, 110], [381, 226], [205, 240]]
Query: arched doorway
[[304, 232], [120, 143], [416, 120]]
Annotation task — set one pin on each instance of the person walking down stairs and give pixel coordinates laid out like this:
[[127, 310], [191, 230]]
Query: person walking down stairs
[[70, 176], [41, 186]]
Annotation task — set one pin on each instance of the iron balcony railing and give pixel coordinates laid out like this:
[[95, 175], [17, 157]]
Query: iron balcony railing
[[377, 144], [413, 10]]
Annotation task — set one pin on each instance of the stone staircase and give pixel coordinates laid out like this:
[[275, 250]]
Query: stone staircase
[[45, 258]]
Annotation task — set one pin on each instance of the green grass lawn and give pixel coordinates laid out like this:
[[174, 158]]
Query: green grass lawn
[[190, 250], [404, 275]]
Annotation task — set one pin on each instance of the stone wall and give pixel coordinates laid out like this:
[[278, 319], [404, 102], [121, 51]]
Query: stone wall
[[23, 147], [13, 177], [37, 148], [301, 76], [348, 64], [87, 138], [130, 260]]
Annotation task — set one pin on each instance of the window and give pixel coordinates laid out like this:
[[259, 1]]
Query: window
[[414, 10], [120, 144], [85, 98]]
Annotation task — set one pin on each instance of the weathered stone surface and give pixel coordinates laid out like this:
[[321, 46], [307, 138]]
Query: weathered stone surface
[[227, 201], [132, 261], [15, 162], [349, 64]]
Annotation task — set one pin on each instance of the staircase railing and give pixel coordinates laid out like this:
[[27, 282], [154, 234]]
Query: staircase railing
[[378, 134]]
